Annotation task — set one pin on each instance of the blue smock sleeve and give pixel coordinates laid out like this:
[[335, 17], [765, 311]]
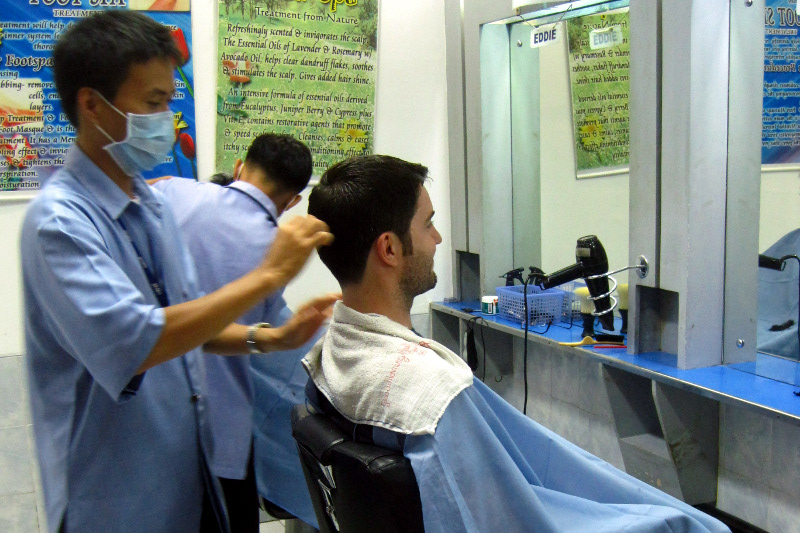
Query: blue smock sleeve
[[93, 309], [489, 467]]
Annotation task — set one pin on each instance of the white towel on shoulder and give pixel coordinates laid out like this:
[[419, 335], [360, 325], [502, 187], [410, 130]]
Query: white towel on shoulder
[[378, 372]]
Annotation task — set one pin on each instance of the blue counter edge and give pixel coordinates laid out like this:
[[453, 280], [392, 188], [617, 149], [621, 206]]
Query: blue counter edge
[[732, 384]]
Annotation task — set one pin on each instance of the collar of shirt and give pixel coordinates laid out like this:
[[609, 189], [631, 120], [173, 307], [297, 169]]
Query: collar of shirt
[[259, 197], [106, 193]]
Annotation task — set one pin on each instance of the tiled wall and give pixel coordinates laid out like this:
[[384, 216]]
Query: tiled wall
[[759, 456], [759, 476], [565, 393], [21, 508]]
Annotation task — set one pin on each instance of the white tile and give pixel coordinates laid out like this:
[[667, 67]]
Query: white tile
[[13, 399], [539, 407], [298, 526], [743, 498], [503, 386], [540, 363], [783, 514], [785, 475], [421, 323], [18, 514], [739, 430], [569, 422], [567, 371], [603, 442], [593, 396], [271, 527], [15, 461]]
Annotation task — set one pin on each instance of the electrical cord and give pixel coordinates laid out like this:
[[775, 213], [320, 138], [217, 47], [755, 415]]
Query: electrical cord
[[470, 326], [525, 321], [525, 324]]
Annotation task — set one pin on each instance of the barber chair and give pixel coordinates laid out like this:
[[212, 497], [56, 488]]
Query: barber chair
[[355, 487]]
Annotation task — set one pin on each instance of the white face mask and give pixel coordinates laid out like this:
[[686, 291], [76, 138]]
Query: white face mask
[[148, 140]]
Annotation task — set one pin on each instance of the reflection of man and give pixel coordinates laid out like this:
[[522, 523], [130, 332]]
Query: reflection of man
[[228, 230], [778, 297], [479, 463], [112, 319]]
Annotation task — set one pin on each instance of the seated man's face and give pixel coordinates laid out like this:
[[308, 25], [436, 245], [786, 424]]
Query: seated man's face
[[418, 275]]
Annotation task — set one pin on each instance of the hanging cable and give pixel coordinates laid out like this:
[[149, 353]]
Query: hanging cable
[[525, 345]]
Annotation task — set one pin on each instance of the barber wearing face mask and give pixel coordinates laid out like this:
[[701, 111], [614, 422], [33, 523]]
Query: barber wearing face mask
[[113, 318]]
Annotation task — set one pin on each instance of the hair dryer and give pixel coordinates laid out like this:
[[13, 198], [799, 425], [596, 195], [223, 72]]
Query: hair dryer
[[592, 264], [771, 263]]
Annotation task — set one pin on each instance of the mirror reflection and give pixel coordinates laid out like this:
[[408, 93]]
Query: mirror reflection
[[570, 137], [777, 313], [779, 236], [778, 296]]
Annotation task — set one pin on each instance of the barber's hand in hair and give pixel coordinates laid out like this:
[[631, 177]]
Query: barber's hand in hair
[[293, 244], [308, 319]]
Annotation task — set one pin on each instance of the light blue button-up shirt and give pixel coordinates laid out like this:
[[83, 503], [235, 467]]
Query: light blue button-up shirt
[[228, 230], [117, 452]]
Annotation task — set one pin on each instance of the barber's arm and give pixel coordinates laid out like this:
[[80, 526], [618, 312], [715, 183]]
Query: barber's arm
[[196, 322], [152, 181], [296, 332]]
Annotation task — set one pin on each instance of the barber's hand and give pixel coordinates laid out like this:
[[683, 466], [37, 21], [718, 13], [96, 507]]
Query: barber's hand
[[293, 244], [308, 319]]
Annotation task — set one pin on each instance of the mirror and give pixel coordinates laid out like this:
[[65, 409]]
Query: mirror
[[569, 91], [778, 343]]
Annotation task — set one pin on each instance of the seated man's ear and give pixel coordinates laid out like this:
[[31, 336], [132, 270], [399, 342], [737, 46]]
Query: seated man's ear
[[388, 248]]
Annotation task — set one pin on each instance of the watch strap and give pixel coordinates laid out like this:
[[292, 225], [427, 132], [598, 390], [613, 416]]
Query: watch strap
[[251, 336]]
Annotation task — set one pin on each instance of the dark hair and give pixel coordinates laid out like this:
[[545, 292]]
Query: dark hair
[[99, 50], [360, 199], [222, 178], [286, 161]]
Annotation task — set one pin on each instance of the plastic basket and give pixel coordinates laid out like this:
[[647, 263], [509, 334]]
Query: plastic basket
[[544, 306], [571, 310]]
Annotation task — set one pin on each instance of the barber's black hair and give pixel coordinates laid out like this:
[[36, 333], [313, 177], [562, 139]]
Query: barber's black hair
[[360, 199], [221, 178], [99, 50], [286, 161]]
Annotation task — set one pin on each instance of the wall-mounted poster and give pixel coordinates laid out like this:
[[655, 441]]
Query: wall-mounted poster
[[34, 133], [599, 69], [780, 134], [304, 68]]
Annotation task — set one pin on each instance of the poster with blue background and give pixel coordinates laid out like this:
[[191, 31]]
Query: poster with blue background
[[780, 142], [34, 132]]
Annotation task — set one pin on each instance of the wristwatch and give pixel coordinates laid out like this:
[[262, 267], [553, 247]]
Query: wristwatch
[[251, 336]]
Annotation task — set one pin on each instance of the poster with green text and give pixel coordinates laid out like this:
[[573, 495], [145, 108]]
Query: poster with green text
[[305, 68], [599, 68]]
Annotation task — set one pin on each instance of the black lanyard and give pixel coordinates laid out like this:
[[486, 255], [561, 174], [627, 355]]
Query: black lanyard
[[152, 279], [266, 211]]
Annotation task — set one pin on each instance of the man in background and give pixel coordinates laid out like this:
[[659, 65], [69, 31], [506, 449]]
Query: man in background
[[228, 229]]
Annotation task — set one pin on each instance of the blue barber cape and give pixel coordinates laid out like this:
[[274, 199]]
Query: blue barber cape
[[489, 468]]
